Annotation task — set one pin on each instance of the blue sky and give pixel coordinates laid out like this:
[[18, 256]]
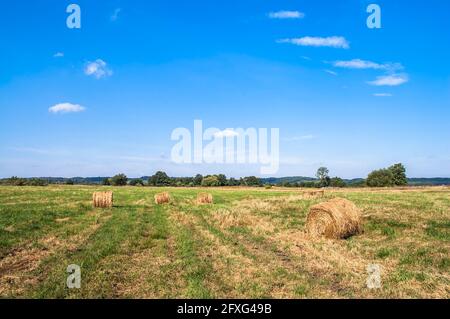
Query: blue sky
[[136, 70]]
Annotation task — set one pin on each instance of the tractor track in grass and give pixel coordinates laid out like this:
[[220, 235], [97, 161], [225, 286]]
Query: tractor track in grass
[[18, 266]]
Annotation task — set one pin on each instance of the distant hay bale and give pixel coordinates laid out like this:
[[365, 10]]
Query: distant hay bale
[[162, 198], [314, 194], [336, 219], [103, 199], [205, 198]]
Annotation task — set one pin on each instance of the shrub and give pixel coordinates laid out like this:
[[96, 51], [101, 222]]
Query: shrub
[[337, 182]]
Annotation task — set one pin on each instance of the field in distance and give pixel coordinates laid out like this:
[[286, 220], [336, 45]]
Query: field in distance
[[249, 244]]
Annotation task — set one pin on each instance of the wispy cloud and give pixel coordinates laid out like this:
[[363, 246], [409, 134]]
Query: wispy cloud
[[98, 69], [333, 42], [300, 138], [307, 58], [226, 133], [115, 14], [41, 151], [382, 94], [286, 15], [390, 80], [362, 64], [331, 72], [58, 55], [30, 150], [66, 108]]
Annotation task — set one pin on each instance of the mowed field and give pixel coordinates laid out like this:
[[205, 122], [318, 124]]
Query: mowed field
[[249, 244]]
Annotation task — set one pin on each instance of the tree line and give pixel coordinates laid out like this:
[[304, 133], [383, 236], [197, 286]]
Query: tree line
[[162, 179], [394, 175]]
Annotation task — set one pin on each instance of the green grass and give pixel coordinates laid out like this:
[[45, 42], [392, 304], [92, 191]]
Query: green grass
[[249, 244]]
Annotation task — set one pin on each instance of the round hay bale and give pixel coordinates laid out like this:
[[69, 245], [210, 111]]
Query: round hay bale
[[103, 199], [336, 219], [205, 198], [162, 198]]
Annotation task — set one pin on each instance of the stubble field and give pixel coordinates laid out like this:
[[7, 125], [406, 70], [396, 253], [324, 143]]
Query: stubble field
[[249, 244]]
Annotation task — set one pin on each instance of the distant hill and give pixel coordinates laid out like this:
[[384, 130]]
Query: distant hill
[[411, 181], [429, 181], [292, 179]]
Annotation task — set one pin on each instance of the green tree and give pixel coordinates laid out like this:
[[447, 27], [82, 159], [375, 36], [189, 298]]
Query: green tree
[[119, 180], [399, 174], [222, 180], [210, 181], [322, 176], [137, 182], [106, 182], [16, 181], [69, 182], [160, 179], [198, 180], [37, 182], [380, 178], [252, 181]]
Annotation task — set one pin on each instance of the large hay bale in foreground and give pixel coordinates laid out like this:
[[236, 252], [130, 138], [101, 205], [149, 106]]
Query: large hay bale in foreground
[[102, 199], [336, 219], [204, 198], [162, 198]]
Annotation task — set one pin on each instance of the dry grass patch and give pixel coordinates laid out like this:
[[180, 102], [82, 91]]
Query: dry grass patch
[[16, 268], [313, 194]]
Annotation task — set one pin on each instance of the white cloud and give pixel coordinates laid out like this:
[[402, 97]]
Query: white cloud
[[390, 80], [362, 64], [97, 69], [226, 133], [58, 55], [331, 72], [115, 15], [66, 108], [333, 42], [307, 58], [286, 15], [382, 94]]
